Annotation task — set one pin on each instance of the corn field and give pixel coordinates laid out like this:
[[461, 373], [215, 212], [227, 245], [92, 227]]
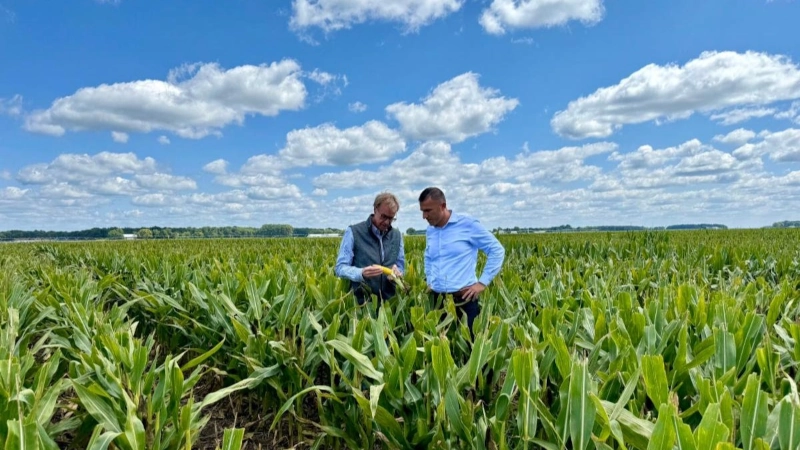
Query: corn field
[[639, 340]]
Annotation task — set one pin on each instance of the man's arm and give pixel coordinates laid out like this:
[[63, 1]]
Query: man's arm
[[427, 261], [344, 262], [401, 257], [495, 253]]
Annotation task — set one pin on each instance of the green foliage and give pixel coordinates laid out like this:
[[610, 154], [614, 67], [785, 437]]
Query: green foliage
[[595, 340], [144, 233]]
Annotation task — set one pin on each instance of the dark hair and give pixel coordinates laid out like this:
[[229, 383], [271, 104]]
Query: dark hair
[[432, 193]]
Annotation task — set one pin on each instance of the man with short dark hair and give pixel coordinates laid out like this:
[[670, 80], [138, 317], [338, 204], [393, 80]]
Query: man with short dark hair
[[368, 245], [452, 242]]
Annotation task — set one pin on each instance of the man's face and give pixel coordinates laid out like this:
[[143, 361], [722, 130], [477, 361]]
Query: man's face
[[432, 211], [384, 217]]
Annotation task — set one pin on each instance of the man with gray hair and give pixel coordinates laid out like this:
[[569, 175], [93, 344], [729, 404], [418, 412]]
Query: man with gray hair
[[368, 245]]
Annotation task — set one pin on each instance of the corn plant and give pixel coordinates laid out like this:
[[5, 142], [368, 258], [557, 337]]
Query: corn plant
[[631, 340]]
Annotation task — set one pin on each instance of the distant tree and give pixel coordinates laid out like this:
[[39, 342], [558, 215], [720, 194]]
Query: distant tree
[[697, 226], [787, 224], [115, 233], [410, 231], [275, 230], [144, 233]]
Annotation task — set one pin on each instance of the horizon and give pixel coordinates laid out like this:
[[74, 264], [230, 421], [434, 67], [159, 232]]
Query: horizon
[[119, 113], [404, 229]]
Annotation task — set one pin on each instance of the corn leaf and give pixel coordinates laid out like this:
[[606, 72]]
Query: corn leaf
[[663, 436], [202, 358], [655, 379], [711, 430], [754, 412], [789, 426], [582, 412], [232, 439], [361, 362], [101, 441], [98, 408]]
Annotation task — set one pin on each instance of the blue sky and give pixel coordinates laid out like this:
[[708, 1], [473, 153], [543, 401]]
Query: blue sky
[[525, 112]]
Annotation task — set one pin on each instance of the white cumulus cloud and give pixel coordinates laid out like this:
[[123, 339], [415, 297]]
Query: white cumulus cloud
[[690, 164], [327, 145], [82, 167], [516, 14], [91, 179], [738, 115], [332, 15], [710, 83], [165, 182], [219, 167], [793, 113], [456, 110], [119, 137], [195, 101], [12, 193], [425, 166], [12, 106], [155, 199], [357, 107], [781, 146], [736, 137], [110, 186]]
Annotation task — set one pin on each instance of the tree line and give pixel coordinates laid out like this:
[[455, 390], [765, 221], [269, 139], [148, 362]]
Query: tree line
[[284, 230], [567, 228], [787, 224], [267, 230]]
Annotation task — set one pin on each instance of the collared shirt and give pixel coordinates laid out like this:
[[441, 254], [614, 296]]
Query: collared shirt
[[451, 254], [344, 262]]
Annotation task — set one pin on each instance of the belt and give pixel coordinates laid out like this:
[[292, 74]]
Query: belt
[[457, 294]]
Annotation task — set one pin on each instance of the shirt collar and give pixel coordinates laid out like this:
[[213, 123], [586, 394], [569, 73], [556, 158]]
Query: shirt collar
[[454, 218]]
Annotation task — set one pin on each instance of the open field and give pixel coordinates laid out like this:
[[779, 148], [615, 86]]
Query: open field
[[646, 340]]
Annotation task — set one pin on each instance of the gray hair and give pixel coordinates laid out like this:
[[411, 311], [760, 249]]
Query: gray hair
[[387, 198]]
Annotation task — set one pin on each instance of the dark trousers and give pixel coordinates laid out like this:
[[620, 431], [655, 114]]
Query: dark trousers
[[471, 309]]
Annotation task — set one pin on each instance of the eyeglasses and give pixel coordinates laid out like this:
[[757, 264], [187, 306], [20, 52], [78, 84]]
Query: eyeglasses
[[384, 218]]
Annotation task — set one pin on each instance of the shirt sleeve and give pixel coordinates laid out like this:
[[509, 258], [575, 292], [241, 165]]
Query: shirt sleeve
[[427, 259], [495, 253], [401, 257], [344, 262]]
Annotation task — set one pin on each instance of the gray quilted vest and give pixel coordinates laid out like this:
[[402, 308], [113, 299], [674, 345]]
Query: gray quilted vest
[[367, 251]]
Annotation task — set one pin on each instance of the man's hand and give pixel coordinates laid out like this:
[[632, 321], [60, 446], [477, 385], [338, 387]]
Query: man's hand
[[371, 271], [396, 271], [472, 292]]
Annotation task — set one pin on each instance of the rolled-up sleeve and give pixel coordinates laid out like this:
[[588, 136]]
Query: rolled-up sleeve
[[495, 253], [344, 262]]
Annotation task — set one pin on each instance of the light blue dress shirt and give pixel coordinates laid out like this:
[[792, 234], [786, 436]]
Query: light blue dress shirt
[[344, 262], [451, 254]]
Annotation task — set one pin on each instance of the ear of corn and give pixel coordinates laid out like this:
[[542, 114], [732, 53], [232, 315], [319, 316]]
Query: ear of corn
[[390, 274]]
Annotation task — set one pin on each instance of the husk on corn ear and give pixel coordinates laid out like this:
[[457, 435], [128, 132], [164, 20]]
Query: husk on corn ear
[[390, 274]]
